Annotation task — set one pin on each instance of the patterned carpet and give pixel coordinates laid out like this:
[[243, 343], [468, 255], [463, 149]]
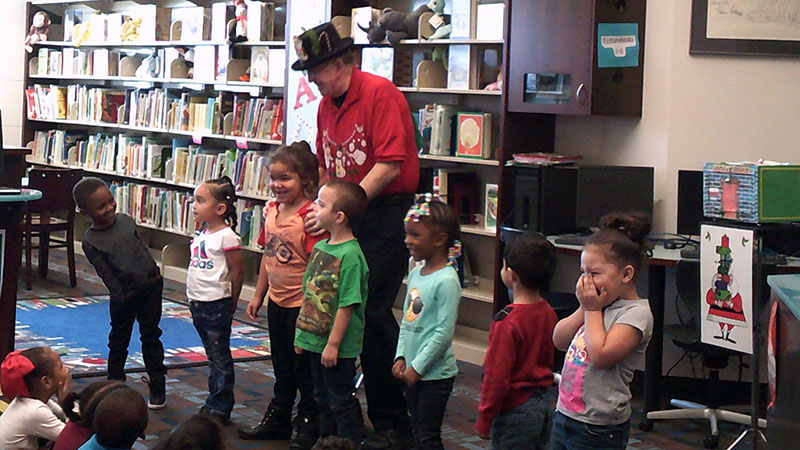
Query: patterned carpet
[[187, 387], [77, 328]]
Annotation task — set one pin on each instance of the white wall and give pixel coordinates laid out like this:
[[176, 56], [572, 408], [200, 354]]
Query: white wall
[[12, 29], [696, 109]]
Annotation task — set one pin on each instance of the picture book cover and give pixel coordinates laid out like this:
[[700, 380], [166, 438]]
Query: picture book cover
[[472, 131], [259, 65], [490, 218], [458, 68], [378, 61]]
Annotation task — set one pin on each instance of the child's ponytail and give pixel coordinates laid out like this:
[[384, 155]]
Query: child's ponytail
[[224, 192], [625, 237]]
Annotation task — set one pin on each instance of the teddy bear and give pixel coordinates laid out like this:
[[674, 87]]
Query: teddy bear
[[40, 27], [237, 28], [130, 30]]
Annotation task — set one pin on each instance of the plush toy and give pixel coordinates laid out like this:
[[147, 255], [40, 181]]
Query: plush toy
[[40, 27], [237, 28], [442, 28], [395, 25], [80, 34], [130, 30]]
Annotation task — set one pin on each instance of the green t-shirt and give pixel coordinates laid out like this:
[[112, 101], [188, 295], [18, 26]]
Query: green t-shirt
[[336, 277]]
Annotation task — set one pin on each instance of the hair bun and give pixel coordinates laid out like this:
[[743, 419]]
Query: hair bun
[[635, 225]]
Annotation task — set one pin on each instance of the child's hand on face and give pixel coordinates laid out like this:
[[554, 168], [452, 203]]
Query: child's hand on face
[[64, 387], [398, 369], [410, 376], [590, 298]]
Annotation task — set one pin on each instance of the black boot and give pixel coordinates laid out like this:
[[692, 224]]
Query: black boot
[[276, 424], [306, 431]]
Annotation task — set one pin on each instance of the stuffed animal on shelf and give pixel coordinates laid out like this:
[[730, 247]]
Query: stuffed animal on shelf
[[40, 27], [237, 28], [130, 30], [441, 27], [80, 34], [395, 25]]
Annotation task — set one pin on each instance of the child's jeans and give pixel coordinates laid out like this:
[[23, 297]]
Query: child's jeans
[[526, 426], [292, 371], [213, 320], [334, 388], [427, 401], [573, 435], [145, 308]]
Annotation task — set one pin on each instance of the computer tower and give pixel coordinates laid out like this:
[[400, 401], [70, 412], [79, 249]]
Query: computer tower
[[545, 198]]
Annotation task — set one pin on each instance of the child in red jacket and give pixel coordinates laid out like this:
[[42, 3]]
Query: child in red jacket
[[517, 370]]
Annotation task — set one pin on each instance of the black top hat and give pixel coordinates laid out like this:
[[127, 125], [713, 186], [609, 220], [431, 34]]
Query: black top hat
[[319, 44]]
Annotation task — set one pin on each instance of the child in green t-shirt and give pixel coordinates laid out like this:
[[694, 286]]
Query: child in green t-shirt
[[330, 326]]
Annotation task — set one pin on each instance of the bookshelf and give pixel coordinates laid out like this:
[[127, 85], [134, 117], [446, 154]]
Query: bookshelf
[[238, 147]]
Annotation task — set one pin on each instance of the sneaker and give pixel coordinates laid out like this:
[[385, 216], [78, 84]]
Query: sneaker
[[306, 431], [221, 417], [275, 424], [158, 396], [389, 440]]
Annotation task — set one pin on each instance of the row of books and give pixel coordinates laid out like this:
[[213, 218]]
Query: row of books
[[447, 131], [208, 64], [160, 108], [150, 158], [171, 210], [462, 191], [157, 23]]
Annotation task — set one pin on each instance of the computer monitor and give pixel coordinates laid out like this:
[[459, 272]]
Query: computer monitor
[[690, 201], [607, 189]]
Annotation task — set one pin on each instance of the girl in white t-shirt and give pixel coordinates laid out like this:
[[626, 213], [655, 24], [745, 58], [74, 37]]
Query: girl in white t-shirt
[[29, 378], [213, 284]]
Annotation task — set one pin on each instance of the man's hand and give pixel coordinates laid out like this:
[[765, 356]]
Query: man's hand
[[398, 368], [311, 224], [330, 355]]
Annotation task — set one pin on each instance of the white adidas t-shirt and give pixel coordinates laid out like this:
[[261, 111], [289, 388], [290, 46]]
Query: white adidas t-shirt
[[209, 279], [28, 419]]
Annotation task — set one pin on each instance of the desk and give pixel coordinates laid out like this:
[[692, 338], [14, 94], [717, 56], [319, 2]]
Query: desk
[[656, 295]]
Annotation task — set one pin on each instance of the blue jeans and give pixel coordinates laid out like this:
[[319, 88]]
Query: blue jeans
[[526, 426], [427, 402], [570, 434], [334, 388], [213, 320]]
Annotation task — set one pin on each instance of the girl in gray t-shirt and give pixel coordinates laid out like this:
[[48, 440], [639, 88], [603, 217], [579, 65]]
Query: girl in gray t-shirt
[[605, 339]]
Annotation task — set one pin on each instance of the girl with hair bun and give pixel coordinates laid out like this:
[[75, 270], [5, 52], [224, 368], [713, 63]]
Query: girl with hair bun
[[605, 339]]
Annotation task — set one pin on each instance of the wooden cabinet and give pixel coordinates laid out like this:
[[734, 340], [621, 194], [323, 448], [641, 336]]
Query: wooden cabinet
[[554, 64]]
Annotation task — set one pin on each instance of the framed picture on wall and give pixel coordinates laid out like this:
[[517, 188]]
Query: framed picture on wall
[[745, 27]]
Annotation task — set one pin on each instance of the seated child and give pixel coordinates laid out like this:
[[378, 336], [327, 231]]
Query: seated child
[[29, 378], [330, 326], [201, 431], [119, 419], [517, 369], [133, 279], [79, 409]]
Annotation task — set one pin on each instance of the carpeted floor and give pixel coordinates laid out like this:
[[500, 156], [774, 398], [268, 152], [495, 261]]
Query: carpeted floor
[[77, 328], [187, 388]]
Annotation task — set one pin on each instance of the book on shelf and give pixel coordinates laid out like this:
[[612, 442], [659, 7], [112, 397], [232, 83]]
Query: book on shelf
[[490, 199], [42, 60], [114, 22], [425, 119], [462, 19], [54, 62], [250, 220], [205, 63], [72, 16], [221, 14], [195, 23], [223, 57], [458, 67], [545, 158], [474, 135], [259, 65], [260, 20], [378, 61], [443, 130], [489, 21]]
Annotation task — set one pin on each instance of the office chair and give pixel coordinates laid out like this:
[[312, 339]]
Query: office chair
[[687, 337], [39, 220]]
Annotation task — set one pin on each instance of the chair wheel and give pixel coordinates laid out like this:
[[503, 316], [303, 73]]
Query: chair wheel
[[711, 441], [645, 424]]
